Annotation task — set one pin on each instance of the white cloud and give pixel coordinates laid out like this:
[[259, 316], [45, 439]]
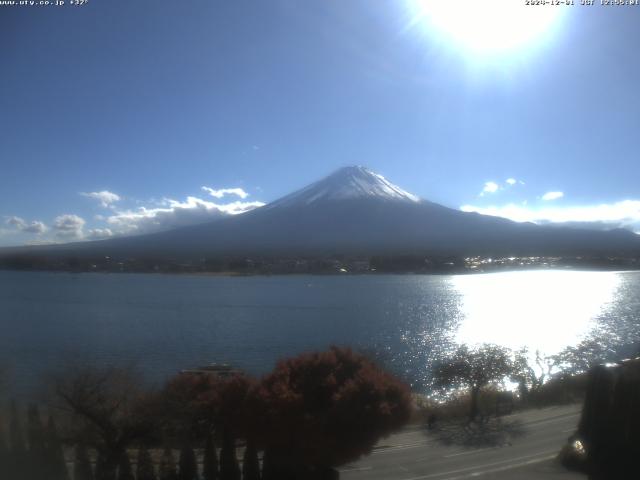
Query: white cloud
[[155, 216], [29, 227], [510, 182], [233, 208], [35, 227], [69, 227], [226, 191], [105, 197], [174, 214], [15, 221], [99, 233], [490, 187], [624, 214], [40, 241], [549, 196], [494, 187]]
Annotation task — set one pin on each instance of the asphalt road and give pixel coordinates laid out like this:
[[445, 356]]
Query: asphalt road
[[528, 452]]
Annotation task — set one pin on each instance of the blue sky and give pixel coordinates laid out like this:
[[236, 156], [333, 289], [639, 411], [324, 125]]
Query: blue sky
[[114, 115]]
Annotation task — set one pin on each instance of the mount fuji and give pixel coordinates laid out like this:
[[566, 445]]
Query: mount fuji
[[355, 211]]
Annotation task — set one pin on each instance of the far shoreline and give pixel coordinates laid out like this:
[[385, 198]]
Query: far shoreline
[[236, 274]]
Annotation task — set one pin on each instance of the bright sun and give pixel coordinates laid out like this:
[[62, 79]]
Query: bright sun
[[489, 25]]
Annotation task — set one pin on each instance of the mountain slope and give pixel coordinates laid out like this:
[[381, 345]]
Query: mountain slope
[[356, 211]]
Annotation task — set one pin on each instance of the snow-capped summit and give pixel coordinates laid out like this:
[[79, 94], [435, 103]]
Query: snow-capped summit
[[353, 182]]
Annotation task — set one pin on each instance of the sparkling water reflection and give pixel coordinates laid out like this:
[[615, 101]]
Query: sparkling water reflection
[[545, 310]]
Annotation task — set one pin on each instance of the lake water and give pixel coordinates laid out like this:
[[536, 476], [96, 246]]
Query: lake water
[[163, 323]]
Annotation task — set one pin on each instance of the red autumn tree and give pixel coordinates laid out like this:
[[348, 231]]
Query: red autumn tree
[[231, 403], [201, 403], [188, 411], [329, 408], [198, 404]]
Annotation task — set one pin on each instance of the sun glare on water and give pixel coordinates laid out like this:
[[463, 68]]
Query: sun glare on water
[[490, 26], [544, 310]]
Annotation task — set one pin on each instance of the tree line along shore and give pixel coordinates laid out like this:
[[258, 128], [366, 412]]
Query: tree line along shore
[[328, 264]]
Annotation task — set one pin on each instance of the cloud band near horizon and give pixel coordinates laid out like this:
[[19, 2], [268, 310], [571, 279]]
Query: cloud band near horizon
[[622, 214]]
